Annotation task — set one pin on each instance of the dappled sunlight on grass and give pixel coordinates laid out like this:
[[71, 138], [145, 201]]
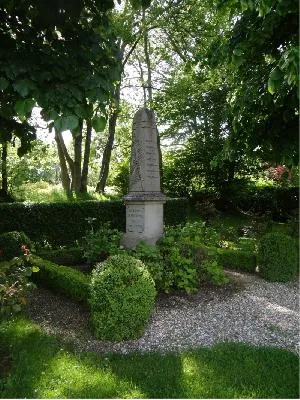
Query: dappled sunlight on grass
[[70, 376], [43, 192], [195, 377], [44, 368], [207, 376]]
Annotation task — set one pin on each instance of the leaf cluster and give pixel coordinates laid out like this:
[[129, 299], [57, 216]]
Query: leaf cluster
[[173, 262], [61, 56]]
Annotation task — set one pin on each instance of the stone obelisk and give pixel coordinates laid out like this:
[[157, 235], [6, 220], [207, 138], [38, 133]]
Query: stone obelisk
[[144, 201]]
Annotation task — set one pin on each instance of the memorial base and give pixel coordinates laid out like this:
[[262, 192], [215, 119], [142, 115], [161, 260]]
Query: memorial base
[[144, 222]]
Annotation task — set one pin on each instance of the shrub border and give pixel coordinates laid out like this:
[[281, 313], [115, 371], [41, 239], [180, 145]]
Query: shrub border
[[66, 223], [61, 279]]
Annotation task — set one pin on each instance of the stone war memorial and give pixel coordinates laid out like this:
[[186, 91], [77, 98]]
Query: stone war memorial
[[144, 201]]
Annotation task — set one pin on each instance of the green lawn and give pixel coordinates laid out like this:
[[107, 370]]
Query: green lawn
[[42, 367]]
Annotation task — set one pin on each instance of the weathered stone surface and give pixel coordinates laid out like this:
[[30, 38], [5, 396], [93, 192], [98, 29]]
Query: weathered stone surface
[[144, 176], [144, 221], [144, 202]]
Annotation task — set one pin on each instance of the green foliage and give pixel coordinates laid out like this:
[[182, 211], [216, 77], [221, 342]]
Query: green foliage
[[40, 164], [215, 272], [44, 192], [65, 62], [121, 178], [61, 223], [66, 223], [99, 123], [175, 262], [264, 99], [101, 244], [69, 256], [215, 101], [178, 245], [206, 263], [65, 280], [122, 298], [277, 257], [200, 232], [40, 192], [247, 196], [14, 284], [239, 260], [13, 244], [178, 269], [153, 259], [184, 272]]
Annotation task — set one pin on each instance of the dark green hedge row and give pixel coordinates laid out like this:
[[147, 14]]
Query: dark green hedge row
[[279, 201], [239, 260], [66, 223], [176, 211], [65, 280], [66, 256]]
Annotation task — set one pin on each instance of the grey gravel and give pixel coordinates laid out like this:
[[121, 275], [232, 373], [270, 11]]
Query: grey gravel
[[248, 310]]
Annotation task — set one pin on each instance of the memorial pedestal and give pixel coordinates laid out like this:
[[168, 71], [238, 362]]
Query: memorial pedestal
[[144, 202], [144, 219]]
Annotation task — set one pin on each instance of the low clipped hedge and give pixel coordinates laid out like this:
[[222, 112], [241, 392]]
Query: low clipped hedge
[[61, 279], [66, 256], [239, 260], [60, 223], [63, 224], [277, 257]]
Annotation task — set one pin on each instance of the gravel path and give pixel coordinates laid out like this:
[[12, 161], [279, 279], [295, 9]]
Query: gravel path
[[248, 310]]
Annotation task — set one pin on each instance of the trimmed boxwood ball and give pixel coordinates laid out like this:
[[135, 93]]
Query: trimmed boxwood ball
[[122, 298], [277, 257]]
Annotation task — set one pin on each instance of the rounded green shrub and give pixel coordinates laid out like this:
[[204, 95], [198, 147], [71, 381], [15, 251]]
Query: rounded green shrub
[[277, 257], [14, 244], [121, 298]]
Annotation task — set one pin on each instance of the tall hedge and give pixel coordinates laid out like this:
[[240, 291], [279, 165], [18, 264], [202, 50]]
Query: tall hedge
[[279, 201], [66, 223]]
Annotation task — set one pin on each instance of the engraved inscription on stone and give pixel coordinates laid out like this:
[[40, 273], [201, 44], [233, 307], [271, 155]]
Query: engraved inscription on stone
[[135, 217], [144, 201], [145, 174]]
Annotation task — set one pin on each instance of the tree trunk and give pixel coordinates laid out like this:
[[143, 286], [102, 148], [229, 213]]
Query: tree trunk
[[4, 186], [112, 122], [86, 158], [76, 178], [143, 83], [147, 58], [65, 178]]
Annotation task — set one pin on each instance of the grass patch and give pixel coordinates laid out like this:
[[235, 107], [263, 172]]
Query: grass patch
[[44, 368], [43, 192]]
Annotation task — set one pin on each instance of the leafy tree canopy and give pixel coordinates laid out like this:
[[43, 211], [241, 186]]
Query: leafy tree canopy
[[262, 52]]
